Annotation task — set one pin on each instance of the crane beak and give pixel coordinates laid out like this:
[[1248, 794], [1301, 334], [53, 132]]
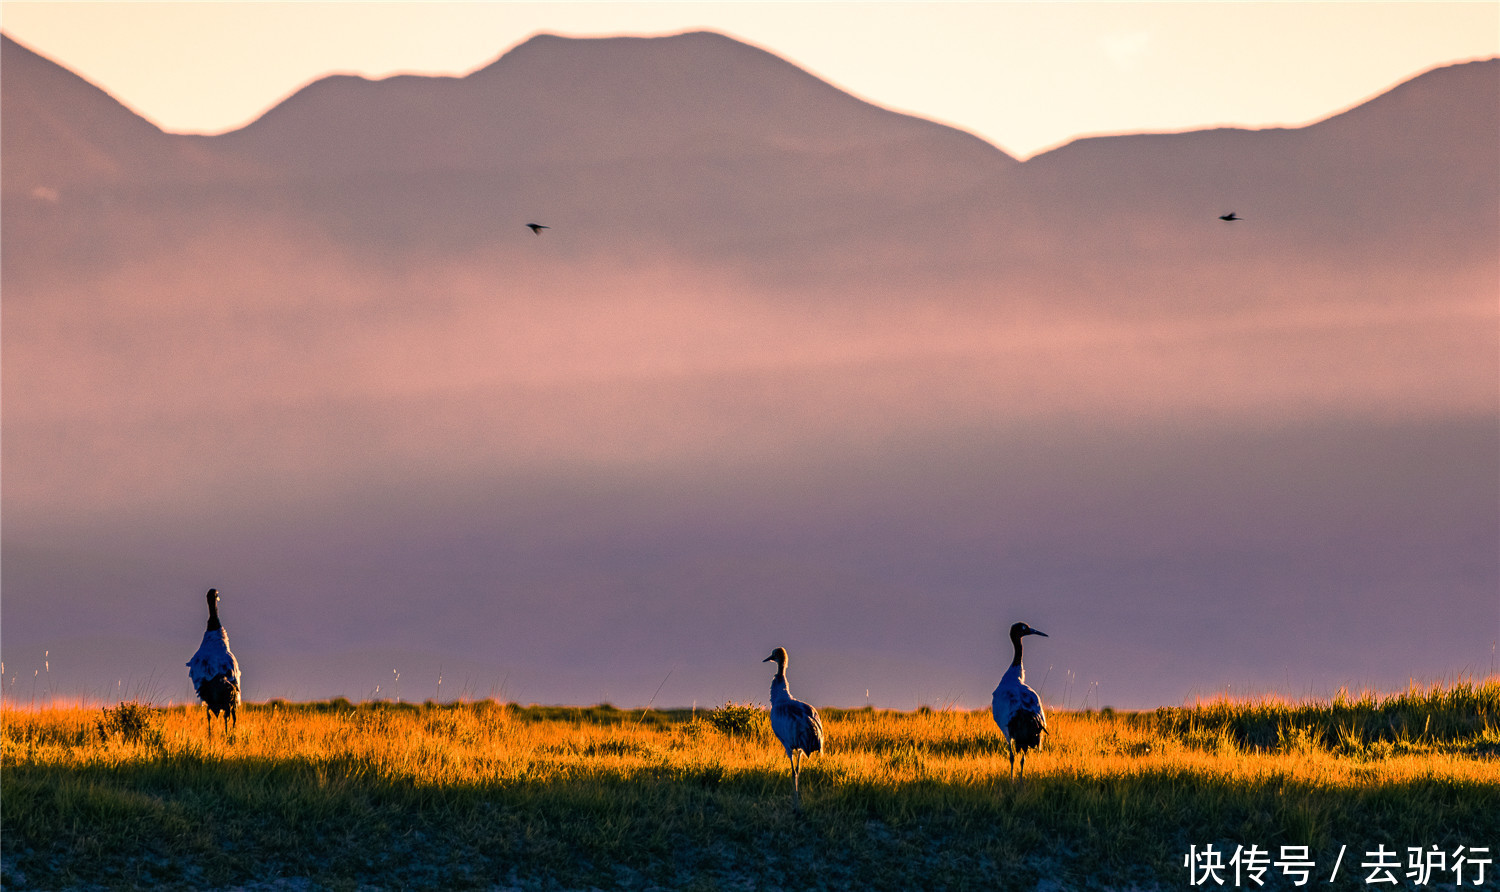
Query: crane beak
[[1038, 632], [769, 659]]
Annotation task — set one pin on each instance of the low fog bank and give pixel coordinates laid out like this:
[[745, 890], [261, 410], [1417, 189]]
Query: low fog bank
[[1165, 564]]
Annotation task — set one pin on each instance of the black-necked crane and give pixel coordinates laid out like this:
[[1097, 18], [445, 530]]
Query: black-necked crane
[[215, 672], [1017, 708], [1231, 217], [796, 724], [536, 228]]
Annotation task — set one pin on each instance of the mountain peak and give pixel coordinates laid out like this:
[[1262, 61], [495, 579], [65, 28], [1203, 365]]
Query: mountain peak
[[557, 99]]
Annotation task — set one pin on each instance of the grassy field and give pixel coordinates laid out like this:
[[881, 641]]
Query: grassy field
[[335, 795]]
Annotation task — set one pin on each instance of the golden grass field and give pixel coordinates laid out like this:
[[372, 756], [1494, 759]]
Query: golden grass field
[[487, 795]]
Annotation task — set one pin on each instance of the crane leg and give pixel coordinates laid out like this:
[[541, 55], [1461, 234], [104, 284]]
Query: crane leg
[[1013, 759], [796, 791], [208, 714]]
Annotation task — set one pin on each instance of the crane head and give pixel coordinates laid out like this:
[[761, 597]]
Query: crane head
[[778, 656], [1021, 629]]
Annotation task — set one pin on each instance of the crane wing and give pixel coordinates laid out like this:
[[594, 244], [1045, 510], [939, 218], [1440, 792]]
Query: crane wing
[[798, 726], [1015, 698], [213, 659], [1028, 701]]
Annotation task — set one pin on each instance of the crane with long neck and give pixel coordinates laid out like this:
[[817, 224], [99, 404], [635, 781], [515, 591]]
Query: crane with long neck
[[215, 672], [796, 724], [1016, 707]]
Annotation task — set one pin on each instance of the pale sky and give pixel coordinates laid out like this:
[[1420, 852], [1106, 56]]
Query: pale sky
[[1025, 76]]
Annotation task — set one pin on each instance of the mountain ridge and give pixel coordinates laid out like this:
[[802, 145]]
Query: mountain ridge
[[537, 59], [397, 169]]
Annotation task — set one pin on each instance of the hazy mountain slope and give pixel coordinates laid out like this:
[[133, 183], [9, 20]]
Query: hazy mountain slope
[[64, 133], [88, 185], [692, 145], [1419, 157]]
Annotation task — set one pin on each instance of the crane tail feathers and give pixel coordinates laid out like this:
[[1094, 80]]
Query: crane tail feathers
[[1025, 729], [220, 693]]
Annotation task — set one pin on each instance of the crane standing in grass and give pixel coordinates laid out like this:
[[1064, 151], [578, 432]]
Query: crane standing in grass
[[215, 672], [1017, 708], [796, 724]]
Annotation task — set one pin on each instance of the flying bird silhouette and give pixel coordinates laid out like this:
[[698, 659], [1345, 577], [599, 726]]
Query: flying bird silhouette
[[537, 228], [1230, 217]]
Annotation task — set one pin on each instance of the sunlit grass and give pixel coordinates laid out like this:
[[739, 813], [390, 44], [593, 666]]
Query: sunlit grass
[[480, 794]]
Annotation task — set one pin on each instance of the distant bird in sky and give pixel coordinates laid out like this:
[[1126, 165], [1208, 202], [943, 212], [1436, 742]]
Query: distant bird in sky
[[796, 724], [215, 672], [1230, 217], [536, 228], [1017, 708]]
